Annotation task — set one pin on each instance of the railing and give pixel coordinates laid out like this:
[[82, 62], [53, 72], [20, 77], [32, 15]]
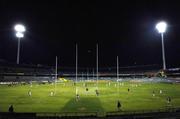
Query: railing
[[107, 114], [64, 114], [165, 112]]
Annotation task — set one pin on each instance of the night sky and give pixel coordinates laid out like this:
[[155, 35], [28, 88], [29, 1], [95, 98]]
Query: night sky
[[123, 28]]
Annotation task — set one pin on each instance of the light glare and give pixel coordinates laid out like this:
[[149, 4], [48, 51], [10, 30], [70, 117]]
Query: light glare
[[19, 28], [19, 35], [161, 27]]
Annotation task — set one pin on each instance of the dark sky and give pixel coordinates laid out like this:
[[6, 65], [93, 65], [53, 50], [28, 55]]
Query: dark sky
[[124, 28]]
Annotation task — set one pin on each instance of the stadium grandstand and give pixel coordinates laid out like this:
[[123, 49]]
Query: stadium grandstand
[[30, 72]]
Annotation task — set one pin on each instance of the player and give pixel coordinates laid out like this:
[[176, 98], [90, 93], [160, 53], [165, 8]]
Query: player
[[77, 97], [118, 105], [11, 109], [168, 100], [97, 92], [29, 93], [153, 93], [51, 93], [128, 89]]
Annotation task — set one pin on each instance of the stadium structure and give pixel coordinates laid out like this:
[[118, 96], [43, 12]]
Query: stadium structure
[[12, 74]]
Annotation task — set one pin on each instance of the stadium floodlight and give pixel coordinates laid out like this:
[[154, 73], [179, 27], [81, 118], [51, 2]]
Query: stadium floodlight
[[161, 27], [20, 29], [19, 35]]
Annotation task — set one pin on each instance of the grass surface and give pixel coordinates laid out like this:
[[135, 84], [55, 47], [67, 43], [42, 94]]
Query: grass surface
[[139, 98]]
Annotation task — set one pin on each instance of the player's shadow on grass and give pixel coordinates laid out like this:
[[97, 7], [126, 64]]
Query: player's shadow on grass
[[90, 104]]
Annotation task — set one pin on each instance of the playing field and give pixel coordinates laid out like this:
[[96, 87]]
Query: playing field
[[140, 96]]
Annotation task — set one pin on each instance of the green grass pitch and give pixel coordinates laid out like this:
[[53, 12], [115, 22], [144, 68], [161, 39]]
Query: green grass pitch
[[138, 98]]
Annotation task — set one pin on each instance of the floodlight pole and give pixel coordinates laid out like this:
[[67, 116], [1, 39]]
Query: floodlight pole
[[18, 51], [97, 66], [20, 29], [163, 52], [76, 67]]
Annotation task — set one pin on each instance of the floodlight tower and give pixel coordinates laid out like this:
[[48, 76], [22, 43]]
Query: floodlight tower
[[20, 29], [161, 27]]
